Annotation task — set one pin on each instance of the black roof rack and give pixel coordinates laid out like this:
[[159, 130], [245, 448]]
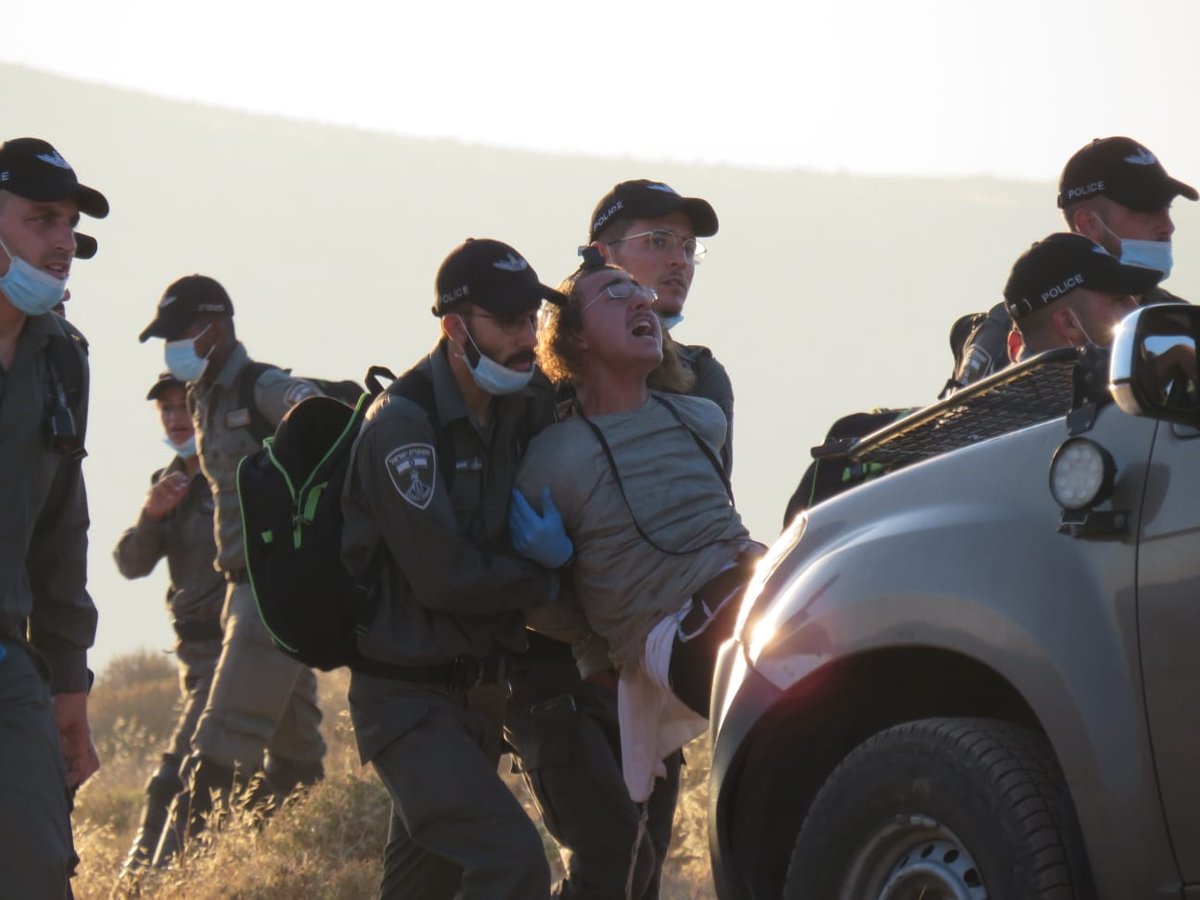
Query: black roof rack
[[1034, 391]]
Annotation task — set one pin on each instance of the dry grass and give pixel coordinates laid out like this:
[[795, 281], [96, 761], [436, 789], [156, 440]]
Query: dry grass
[[327, 844]]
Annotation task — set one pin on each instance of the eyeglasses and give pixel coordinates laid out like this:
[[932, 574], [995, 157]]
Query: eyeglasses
[[660, 240], [622, 291], [510, 325]]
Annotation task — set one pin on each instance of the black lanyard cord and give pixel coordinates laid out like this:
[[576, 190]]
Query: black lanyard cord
[[708, 454]]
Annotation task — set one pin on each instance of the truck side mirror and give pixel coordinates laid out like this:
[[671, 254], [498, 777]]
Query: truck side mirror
[[1153, 369]]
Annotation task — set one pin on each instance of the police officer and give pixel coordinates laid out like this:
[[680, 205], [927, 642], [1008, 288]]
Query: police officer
[[47, 619], [176, 521], [1067, 291], [259, 698], [652, 232], [1114, 191], [564, 730], [426, 505]]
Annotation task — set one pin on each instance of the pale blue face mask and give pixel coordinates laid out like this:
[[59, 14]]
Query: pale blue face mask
[[182, 360], [29, 289], [492, 377], [186, 450], [1146, 254], [669, 322]]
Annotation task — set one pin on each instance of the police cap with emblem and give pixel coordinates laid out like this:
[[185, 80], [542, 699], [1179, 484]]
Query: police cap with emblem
[[1055, 266], [491, 275], [644, 199], [1122, 169], [183, 302], [32, 169]]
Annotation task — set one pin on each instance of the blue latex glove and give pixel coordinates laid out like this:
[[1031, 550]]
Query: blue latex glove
[[539, 538]]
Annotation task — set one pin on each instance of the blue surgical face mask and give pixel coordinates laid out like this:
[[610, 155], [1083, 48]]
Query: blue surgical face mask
[[28, 288], [1147, 254], [186, 450], [492, 377], [182, 360], [669, 322]]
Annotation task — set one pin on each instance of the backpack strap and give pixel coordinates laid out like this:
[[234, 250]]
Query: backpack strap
[[66, 389], [260, 427]]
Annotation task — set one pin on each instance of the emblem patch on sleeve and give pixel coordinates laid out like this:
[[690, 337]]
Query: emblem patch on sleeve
[[413, 470], [297, 392]]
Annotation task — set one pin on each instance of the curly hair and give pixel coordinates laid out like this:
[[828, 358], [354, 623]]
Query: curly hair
[[558, 353]]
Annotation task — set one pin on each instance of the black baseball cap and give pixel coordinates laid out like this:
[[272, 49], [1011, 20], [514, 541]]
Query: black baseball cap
[[183, 302], [165, 380], [1124, 170], [643, 199], [85, 245], [491, 275], [1056, 265], [31, 168]]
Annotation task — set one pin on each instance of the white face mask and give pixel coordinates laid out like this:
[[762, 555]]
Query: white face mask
[[489, 375], [182, 360], [28, 288], [186, 450]]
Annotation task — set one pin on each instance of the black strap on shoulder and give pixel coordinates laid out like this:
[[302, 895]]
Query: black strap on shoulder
[[66, 356], [260, 426], [708, 454]]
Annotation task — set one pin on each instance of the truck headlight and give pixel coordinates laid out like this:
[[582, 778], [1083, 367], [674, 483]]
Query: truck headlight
[[1081, 474]]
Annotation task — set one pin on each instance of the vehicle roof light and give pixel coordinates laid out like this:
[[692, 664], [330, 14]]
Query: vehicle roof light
[[1081, 474]]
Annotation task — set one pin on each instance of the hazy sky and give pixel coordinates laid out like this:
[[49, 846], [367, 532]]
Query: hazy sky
[[925, 87]]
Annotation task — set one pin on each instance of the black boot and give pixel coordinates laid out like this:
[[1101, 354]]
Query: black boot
[[192, 807], [160, 790], [288, 775], [277, 782]]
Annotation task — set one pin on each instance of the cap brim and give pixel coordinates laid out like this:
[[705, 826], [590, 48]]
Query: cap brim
[[558, 298], [154, 329], [91, 202], [159, 386], [1184, 190], [703, 216], [1124, 279], [85, 246]]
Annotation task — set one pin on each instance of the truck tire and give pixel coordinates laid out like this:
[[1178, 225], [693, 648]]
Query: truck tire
[[941, 808]]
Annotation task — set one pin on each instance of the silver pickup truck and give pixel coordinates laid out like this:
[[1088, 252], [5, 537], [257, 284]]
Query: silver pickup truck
[[978, 676]]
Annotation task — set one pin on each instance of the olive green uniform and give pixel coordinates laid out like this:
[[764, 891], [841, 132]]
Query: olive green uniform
[[450, 595], [195, 595], [47, 619], [194, 599], [260, 698]]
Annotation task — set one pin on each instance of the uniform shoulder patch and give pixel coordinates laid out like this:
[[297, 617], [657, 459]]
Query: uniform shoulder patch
[[413, 470], [301, 390]]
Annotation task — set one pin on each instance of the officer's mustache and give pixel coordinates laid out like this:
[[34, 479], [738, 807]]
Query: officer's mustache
[[521, 358]]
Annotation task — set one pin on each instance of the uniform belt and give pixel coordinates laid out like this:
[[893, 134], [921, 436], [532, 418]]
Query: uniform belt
[[238, 577], [461, 674], [198, 629]]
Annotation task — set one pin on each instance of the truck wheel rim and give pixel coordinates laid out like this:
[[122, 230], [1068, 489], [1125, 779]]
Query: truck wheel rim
[[914, 857]]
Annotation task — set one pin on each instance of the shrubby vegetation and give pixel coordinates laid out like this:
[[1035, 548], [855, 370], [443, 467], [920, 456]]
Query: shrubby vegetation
[[326, 844]]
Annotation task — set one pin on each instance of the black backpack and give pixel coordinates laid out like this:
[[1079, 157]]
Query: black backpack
[[290, 497], [832, 471], [979, 342]]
